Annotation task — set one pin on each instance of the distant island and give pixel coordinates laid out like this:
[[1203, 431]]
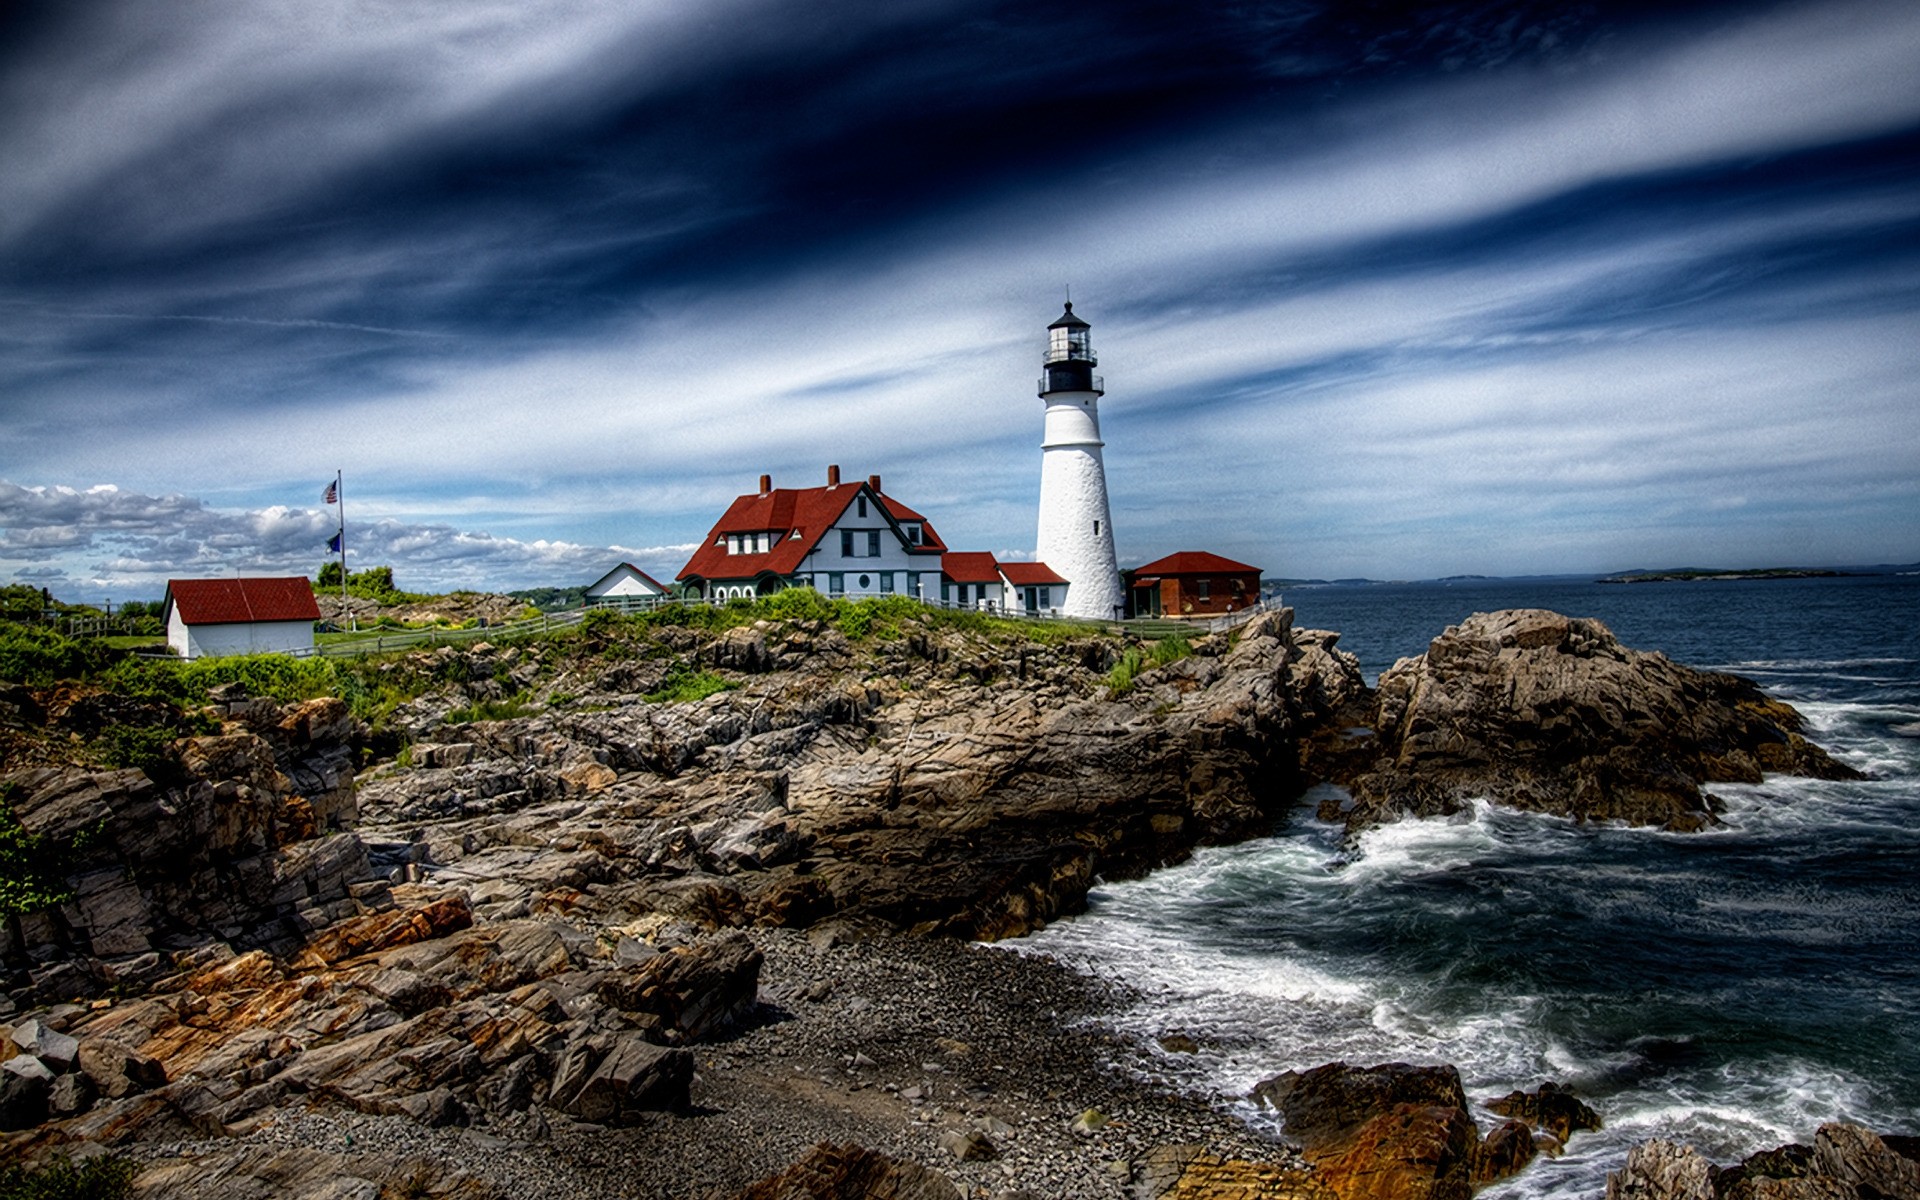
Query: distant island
[[1692, 574]]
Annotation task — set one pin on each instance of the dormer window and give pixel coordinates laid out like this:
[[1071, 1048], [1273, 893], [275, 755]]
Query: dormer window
[[913, 534]]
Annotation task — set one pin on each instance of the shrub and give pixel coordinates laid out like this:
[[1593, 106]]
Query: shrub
[[33, 869], [800, 604], [684, 685], [102, 1177], [35, 654]]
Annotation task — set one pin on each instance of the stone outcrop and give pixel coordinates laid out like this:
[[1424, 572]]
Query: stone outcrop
[[239, 835], [1846, 1162], [941, 784], [833, 1171], [1400, 1132], [1538, 711]]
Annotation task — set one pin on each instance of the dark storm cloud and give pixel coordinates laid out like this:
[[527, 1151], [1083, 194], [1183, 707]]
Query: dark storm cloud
[[624, 257]]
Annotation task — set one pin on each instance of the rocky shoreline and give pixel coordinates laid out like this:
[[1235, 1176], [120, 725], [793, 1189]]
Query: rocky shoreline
[[665, 911]]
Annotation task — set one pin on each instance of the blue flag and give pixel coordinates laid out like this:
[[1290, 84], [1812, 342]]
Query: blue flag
[[333, 543]]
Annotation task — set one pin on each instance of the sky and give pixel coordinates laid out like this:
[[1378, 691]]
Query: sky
[[1379, 289]]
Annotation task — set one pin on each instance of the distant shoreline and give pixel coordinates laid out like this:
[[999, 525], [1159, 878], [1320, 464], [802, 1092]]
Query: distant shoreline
[[1696, 576]]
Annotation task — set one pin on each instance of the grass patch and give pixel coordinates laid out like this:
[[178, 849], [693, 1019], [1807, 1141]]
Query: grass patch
[[494, 710], [1170, 649], [1126, 672], [683, 686]]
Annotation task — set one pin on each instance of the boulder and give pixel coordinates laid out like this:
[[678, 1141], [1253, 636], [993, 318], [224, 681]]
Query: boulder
[[1660, 1170], [58, 1051], [694, 991], [23, 1094], [117, 1071], [1548, 1110], [1861, 1159], [611, 1078], [851, 1172], [1539, 711], [1391, 1132]]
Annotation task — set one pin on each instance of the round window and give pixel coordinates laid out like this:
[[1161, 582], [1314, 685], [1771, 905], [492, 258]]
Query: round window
[[866, 581]]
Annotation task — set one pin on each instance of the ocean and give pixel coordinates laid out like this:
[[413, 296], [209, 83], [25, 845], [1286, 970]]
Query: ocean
[[1732, 989]]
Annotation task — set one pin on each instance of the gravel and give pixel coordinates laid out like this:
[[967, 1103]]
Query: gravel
[[904, 1045]]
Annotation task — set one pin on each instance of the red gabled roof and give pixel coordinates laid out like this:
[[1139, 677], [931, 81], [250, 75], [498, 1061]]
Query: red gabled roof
[[239, 601], [972, 566], [1194, 562], [1030, 574], [784, 511]]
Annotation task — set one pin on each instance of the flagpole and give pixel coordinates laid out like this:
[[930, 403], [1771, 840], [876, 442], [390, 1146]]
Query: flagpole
[[340, 492]]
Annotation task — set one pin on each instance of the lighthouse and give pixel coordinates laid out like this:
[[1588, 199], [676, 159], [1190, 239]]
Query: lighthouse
[[1076, 530]]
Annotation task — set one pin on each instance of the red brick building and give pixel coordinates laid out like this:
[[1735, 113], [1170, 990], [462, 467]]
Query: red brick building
[[1192, 583]]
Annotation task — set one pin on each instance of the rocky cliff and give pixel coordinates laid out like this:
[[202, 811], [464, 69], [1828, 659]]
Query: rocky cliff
[[551, 915], [1539, 711]]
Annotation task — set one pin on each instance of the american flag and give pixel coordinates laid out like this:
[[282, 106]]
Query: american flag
[[333, 493]]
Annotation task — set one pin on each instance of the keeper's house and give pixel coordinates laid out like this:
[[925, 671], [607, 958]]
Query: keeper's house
[[854, 540], [1192, 583], [209, 617]]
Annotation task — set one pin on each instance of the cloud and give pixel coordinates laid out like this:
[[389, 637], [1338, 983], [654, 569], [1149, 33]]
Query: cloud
[[109, 537], [654, 259]]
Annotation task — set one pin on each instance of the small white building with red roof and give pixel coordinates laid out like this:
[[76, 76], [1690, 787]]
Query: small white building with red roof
[[208, 617], [850, 539]]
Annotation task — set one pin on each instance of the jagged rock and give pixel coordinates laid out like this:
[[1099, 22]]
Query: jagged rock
[[694, 991], [1391, 1132], [611, 1078], [967, 1145], [1504, 1152], [1660, 1170], [1549, 1108], [227, 844], [23, 1093], [851, 1172], [70, 1095], [277, 1173], [1188, 1172], [117, 1071], [1860, 1158], [1539, 711], [380, 931], [58, 1051]]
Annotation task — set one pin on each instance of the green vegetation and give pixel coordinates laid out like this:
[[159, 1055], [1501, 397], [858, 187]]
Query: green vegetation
[[33, 869], [684, 685], [102, 1177], [1126, 673], [374, 583], [517, 705], [552, 599], [1171, 649], [38, 655]]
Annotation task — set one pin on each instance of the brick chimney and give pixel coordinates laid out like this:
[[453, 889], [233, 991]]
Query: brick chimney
[[833, 476], [873, 481], [766, 484]]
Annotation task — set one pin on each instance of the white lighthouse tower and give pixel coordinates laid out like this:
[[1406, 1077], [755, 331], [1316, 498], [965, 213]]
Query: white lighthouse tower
[[1076, 530]]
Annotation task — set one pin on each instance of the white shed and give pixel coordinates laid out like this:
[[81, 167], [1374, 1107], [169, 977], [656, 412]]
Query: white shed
[[208, 617], [625, 584]]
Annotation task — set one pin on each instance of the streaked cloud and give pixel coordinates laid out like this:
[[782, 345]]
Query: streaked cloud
[[1513, 288]]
